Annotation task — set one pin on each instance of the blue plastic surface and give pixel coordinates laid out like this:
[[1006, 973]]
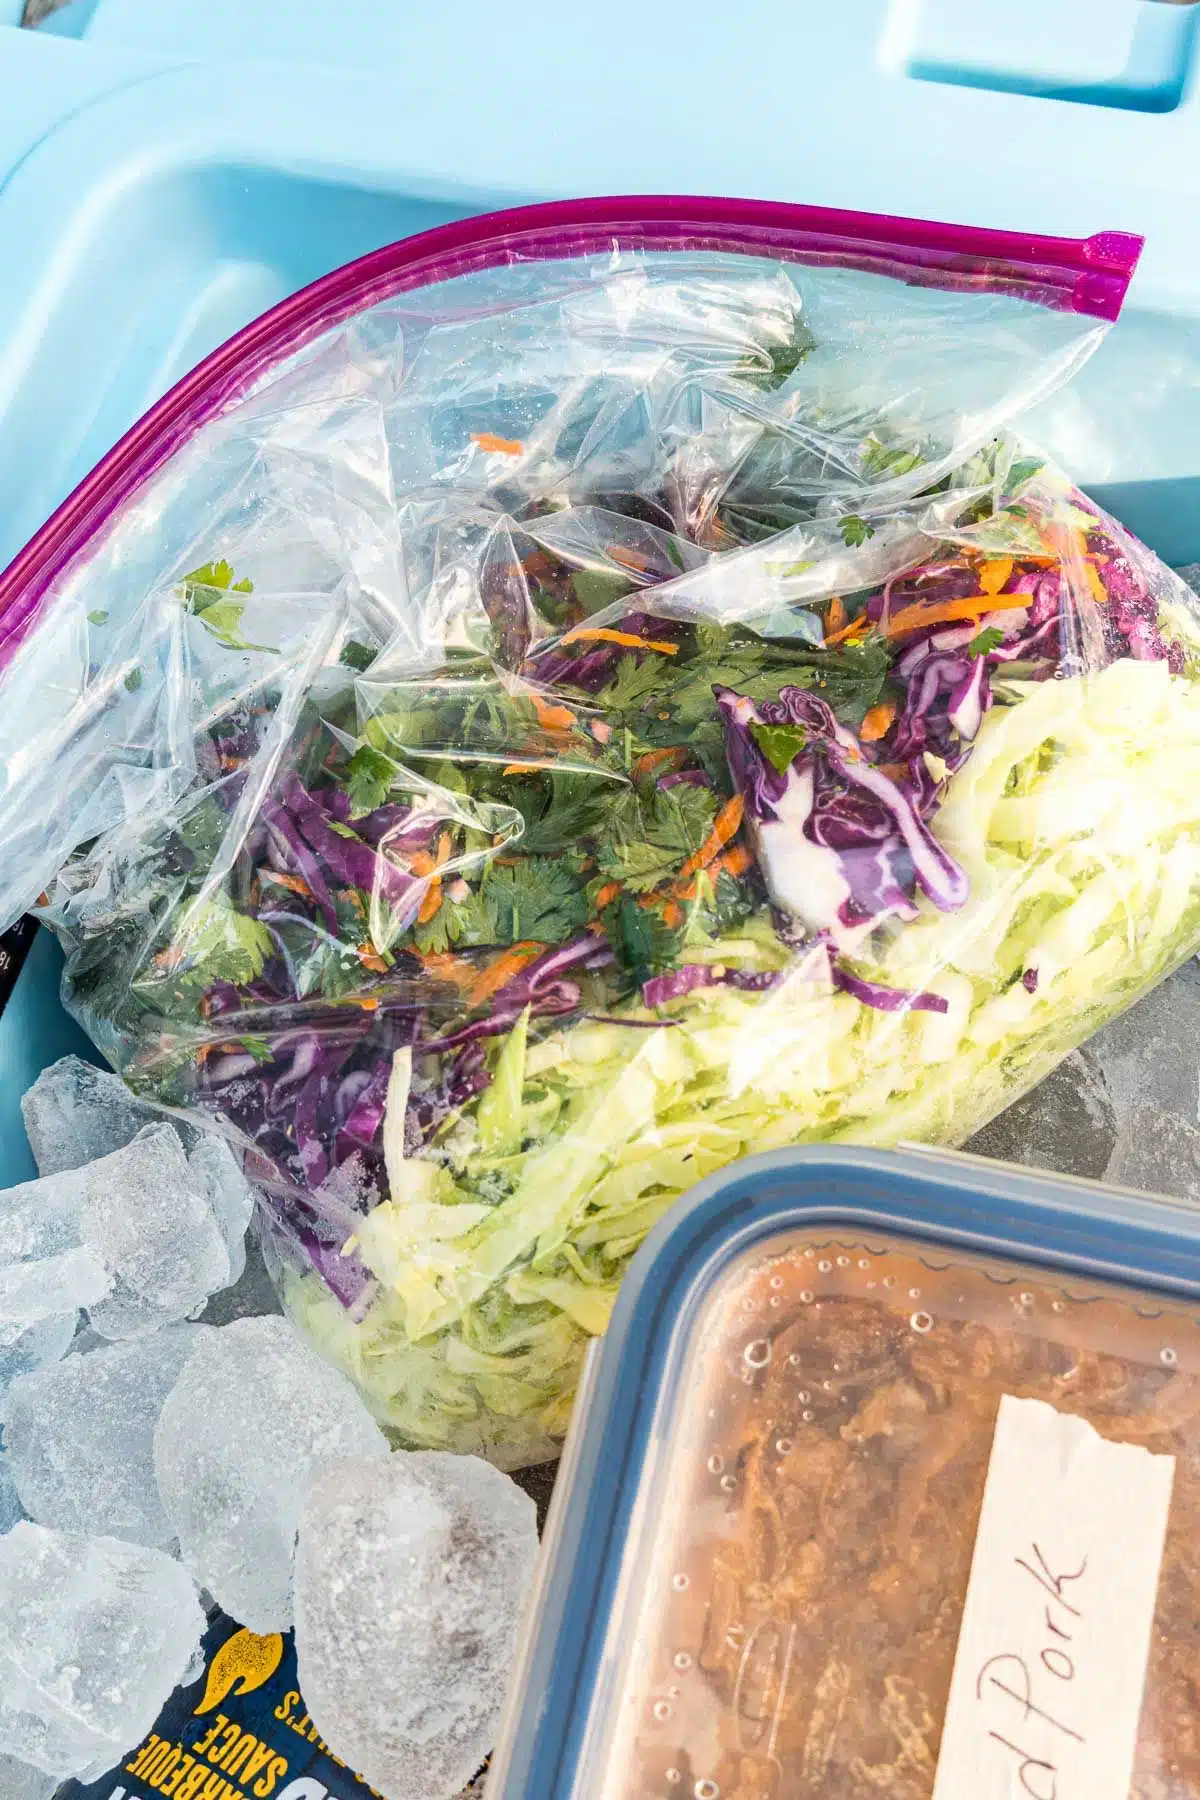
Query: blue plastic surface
[[944, 1201]]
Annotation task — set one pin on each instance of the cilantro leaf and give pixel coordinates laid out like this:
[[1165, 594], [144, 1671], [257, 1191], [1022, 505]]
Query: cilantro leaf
[[642, 939], [467, 924], [855, 530], [558, 810], [134, 680], [780, 744], [214, 942], [205, 593], [888, 461], [368, 780], [647, 836], [987, 640], [535, 897], [358, 657]]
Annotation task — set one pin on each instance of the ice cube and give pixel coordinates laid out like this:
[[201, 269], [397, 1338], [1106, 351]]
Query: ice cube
[[32, 1293], [254, 1417], [36, 1347], [94, 1636], [10, 1504], [80, 1437], [75, 1113], [216, 1172], [142, 1214], [18, 1781], [411, 1576]]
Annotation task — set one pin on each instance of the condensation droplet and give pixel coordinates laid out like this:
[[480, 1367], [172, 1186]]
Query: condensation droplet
[[716, 1463], [807, 1417], [914, 1293], [728, 1483], [864, 1262], [795, 1359], [843, 1262], [806, 1296], [921, 1321], [783, 1445], [808, 1255], [1169, 1357], [758, 1353], [1058, 1306], [706, 1790], [661, 1710], [777, 1281], [889, 1281], [824, 1267], [804, 1396], [683, 1659], [1026, 1299], [828, 1386], [673, 1775], [774, 1300], [679, 1583], [672, 1693]]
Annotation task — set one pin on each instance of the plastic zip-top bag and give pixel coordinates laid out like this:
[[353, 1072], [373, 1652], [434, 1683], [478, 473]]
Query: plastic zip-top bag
[[579, 696]]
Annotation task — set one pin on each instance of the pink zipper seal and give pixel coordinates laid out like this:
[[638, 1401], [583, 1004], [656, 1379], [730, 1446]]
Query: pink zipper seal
[[1088, 276]]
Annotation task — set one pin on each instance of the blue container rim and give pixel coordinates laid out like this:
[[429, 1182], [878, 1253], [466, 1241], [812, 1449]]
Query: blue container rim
[[945, 1201]]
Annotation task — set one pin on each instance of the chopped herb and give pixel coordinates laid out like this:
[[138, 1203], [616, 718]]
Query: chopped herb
[[358, 657], [855, 530], [99, 617], [368, 780], [987, 640], [134, 680], [780, 744]]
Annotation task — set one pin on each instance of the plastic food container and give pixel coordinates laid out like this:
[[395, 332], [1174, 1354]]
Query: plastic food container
[[769, 1515]]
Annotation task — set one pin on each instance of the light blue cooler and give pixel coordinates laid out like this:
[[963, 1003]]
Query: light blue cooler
[[168, 171]]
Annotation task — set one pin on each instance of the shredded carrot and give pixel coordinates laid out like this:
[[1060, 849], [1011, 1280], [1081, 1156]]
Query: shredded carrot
[[835, 618], [1099, 592], [487, 440], [601, 633], [430, 903], [295, 883], [855, 629], [895, 771], [972, 606], [433, 898], [654, 759], [607, 895], [204, 1052], [370, 959], [672, 914], [489, 981], [553, 718], [370, 1005], [725, 826], [735, 861], [445, 967], [630, 559], [878, 721], [994, 575]]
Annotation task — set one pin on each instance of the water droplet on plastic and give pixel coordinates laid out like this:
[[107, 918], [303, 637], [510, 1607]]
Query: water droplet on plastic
[[914, 1293], [673, 1775], [864, 1262], [707, 1790], [758, 1353], [807, 1417], [679, 1583], [716, 1463], [777, 1281], [661, 1710], [804, 1396], [889, 1281], [1026, 1299], [682, 1659], [824, 1267], [843, 1262], [828, 1386], [728, 1483], [783, 1445], [1169, 1357], [1058, 1306], [921, 1321], [808, 1255], [806, 1295], [774, 1300]]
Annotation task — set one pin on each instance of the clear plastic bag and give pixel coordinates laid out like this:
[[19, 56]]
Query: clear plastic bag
[[555, 713]]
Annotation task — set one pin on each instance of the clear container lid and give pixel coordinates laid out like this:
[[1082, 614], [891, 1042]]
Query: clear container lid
[[792, 1589]]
